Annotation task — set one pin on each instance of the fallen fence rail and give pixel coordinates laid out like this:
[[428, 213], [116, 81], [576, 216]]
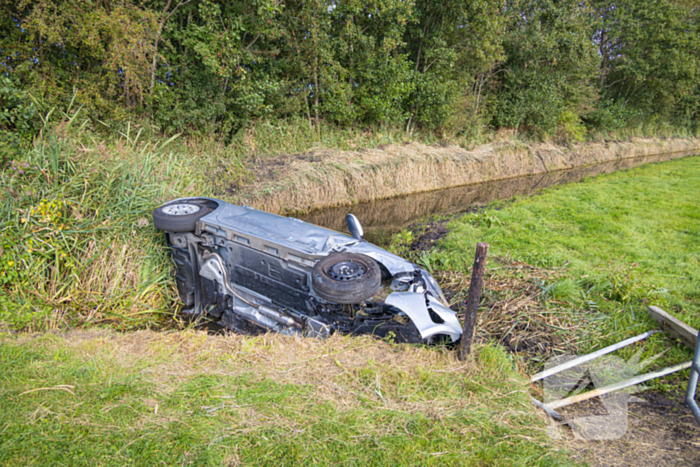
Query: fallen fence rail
[[617, 386], [673, 326], [591, 356]]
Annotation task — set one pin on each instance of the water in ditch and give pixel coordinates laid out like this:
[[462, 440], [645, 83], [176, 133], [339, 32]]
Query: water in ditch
[[381, 219]]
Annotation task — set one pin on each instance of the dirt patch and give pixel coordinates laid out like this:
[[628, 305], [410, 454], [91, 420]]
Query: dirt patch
[[429, 234], [230, 179], [274, 168], [660, 431], [271, 168]]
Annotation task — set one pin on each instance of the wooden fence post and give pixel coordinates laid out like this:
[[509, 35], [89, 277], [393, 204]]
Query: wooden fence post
[[482, 250]]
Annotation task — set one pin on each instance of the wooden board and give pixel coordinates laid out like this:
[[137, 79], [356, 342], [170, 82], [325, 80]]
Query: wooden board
[[674, 326]]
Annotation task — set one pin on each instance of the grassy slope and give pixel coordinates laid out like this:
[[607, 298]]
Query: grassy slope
[[378, 411], [624, 240], [77, 243], [187, 398]]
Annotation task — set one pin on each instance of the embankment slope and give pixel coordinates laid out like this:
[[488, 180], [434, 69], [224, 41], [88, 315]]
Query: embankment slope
[[325, 178]]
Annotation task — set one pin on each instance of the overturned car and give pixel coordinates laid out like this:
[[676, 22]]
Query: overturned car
[[257, 272]]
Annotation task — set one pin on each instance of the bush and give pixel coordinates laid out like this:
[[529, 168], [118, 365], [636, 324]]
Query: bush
[[18, 120], [571, 127], [610, 115]]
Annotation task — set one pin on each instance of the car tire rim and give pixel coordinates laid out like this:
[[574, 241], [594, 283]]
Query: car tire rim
[[346, 271], [181, 209]]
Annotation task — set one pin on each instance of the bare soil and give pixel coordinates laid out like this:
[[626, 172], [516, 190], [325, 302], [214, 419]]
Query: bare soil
[[660, 431], [432, 232]]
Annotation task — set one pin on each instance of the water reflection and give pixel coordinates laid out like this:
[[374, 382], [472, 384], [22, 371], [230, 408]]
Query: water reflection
[[383, 218]]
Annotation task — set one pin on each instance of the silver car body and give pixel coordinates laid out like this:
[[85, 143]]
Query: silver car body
[[293, 247]]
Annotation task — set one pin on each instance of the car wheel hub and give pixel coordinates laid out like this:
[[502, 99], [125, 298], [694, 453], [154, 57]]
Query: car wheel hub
[[346, 271], [181, 209]]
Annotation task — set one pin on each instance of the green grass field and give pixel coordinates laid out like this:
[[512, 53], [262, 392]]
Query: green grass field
[[618, 243], [190, 399]]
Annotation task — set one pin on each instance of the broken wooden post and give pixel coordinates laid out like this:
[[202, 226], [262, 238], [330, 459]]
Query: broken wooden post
[[674, 326], [482, 250]]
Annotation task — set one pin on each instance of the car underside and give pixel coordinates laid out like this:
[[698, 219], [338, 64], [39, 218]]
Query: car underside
[[257, 272]]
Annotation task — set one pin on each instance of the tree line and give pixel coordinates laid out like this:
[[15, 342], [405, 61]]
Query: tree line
[[448, 65]]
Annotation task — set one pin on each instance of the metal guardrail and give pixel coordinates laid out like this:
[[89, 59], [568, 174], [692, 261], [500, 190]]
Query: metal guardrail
[[693, 382]]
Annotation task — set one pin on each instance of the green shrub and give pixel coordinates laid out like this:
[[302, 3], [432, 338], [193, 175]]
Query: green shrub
[[18, 120], [610, 115], [571, 127]]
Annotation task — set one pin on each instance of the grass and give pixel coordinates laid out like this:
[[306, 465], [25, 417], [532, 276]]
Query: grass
[[601, 250], [293, 136], [190, 399], [77, 244], [262, 138]]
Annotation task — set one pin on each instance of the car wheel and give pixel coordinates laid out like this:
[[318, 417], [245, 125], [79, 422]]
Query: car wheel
[[346, 278], [179, 217]]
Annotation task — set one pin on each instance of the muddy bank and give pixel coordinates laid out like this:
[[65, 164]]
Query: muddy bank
[[660, 431], [322, 179]]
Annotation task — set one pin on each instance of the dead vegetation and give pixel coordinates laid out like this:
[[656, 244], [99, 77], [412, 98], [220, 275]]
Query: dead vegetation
[[325, 178], [514, 313], [340, 401], [364, 364], [347, 372]]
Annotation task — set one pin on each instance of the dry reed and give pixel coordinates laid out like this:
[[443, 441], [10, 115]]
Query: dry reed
[[325, 178]]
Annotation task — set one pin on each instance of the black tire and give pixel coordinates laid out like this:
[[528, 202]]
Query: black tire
[[346, 278], [184, 222]]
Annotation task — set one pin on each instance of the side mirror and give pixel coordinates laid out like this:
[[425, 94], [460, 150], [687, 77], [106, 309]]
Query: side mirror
[[354, 226]]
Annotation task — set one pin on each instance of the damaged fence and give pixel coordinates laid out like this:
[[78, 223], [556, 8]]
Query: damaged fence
[[673, 326]]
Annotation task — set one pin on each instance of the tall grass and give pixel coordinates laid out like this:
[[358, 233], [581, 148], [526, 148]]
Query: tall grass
[[77, 242], [291, 136], [294, 135]]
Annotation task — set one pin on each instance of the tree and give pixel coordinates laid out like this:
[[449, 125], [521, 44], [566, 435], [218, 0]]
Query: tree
[[454, 48], [651, 52], [101, 48], [550, 66]]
